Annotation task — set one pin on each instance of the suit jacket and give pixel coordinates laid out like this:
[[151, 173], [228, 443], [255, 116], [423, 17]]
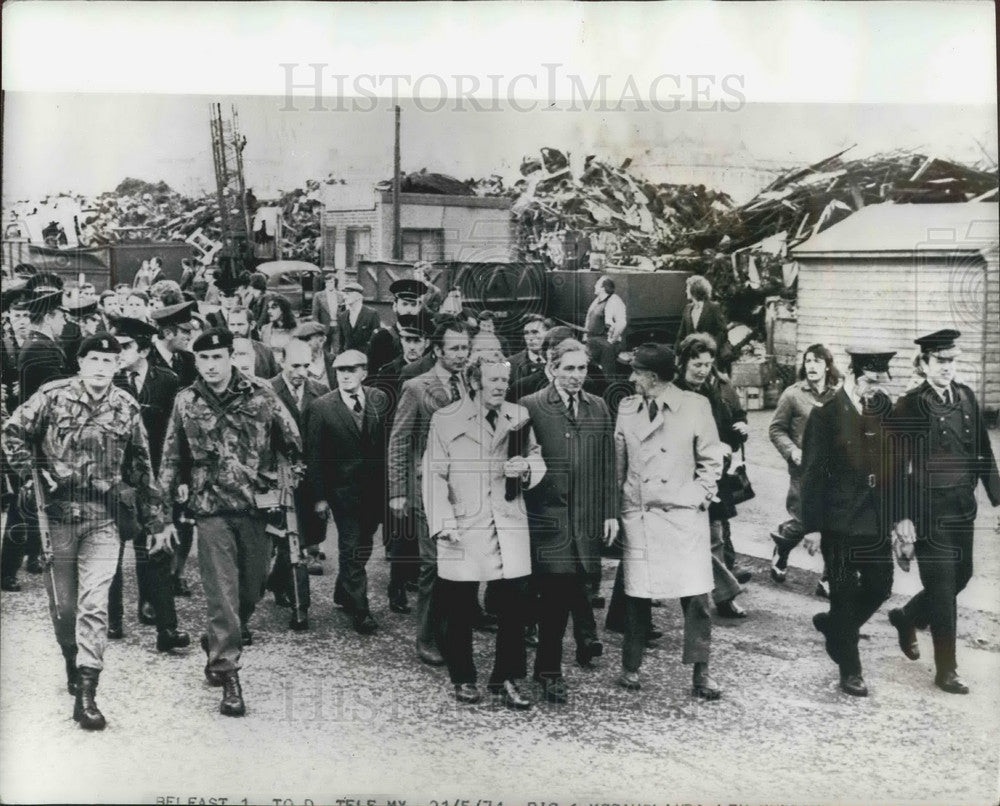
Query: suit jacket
[[345, 465], [847, 471], [567, 510], [419, 399], [359, 336], [424, 364], [312, 529], [385, 346], [321, 310], [156, 399], [712, 321], [41, 360], [183, 366], [596, 383], [264, 365]]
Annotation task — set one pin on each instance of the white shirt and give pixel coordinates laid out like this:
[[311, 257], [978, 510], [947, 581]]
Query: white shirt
[[696, 309], [161, 348], [564, 395], [535, 358], [352, 313], [445, 377], [615, 317], [348, 398], [140, 376]]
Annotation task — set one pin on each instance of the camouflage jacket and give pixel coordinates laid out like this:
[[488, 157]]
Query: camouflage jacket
[[218, 446], [96, 451]]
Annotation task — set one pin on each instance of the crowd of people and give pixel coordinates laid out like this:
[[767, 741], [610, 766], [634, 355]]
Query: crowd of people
[[203, 412]]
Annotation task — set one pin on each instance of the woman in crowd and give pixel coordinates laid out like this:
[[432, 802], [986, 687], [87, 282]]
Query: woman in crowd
[[277, 331], [702, 315], [817, 383], [696, 373], [481, 536]]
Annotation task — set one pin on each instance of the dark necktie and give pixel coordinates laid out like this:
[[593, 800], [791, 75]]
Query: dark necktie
[[456, 392], [947, 396], [652, 410], [491, 418], [175, 362], [571, 408], [357, 404], [133, 387]]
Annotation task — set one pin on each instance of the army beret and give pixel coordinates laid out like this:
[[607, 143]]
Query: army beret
[[939, 342], [131, 328], [217, 338], [171, 315], [350, 359], [309, 329], [408, 289], [99, 342]]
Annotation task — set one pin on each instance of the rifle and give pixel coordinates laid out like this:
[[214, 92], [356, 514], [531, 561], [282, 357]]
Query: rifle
[[280, 498], [45, 535]]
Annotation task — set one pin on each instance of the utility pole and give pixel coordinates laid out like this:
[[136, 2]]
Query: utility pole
[[397, 230]]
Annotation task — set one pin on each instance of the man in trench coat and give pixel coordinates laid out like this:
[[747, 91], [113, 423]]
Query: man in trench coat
[[668, 460]]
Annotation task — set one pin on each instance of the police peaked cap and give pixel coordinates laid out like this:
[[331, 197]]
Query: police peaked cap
[[939, 341], [410, 289], [44, 303], [131, 328], [82, 308], [864, 359], [218, 338], [418, 324], [173, 314]]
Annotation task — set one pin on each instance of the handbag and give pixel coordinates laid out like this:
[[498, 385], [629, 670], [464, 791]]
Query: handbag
[[738, 482]]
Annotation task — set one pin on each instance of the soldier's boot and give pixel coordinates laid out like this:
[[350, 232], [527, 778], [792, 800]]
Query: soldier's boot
[[232, 696], [86, 711], [72, 677]]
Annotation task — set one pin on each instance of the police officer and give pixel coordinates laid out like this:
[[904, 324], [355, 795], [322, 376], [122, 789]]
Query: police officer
[[43, 358], [223, 431], [93, 455], [846, 485], [947, 453], [387, 344]]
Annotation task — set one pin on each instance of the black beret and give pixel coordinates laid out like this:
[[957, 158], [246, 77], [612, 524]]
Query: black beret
[[218, 338], [99, 342]]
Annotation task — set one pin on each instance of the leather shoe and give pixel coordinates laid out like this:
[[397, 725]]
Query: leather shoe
[[212, 677], [299, 624], [115, 630], [743, 575], [654, 635], [171, 639], [630, 681], [531, 635], [467, 693], [365, 624], [398, 602], [822, 589], [585, 653], [906, 632], [702, 685], [730, 609], [429, 654], [10, 584], [147, 613], [554, 690], [315, 568], [34, 566], [821, 621], [181, 587], [509, 694], [853, 684], [951, 682], [232, 696]]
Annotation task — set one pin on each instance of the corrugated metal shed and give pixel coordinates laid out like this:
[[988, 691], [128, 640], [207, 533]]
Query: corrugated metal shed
[[892, 272]]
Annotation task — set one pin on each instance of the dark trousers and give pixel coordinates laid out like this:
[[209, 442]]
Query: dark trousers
[[458, 604], [152, 573], [726, 587], [354, 549], [281, 580], [638, 621], [558, 596], [615, 619], [401, 549], [185, 540], [944, 559], [20, 537], [859, 568]]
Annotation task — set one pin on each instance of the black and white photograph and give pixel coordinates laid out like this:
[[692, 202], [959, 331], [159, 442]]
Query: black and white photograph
[[500, 404]]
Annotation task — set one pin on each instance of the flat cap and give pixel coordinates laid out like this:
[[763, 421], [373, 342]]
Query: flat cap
[[131, 328], [940, 342], [173, 314], [350, 359], [656, 358], [99, 343], [217, 338], [408, 289], [307, 330], [352, 286]]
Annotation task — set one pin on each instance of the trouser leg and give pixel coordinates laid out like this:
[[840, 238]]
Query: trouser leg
[[63, 594], [153, 571], [728, 550], [253, 554], [725, 586], [615, 619], [509, 600], [15, 538], [697, 628], [97, 556], [638, 621], [428, 626], [354, 547], [457, 601], [553, 614], [115, 592], [217, 559], [584, 624]]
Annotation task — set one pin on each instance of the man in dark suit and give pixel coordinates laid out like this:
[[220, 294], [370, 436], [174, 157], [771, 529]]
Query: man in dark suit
[[155, 388], [43, 358], [530, 360], [386, 345], [297, 391], [847, 498], [320, 368], [945, 454], [345, 468], [326, 305], [701, 315], [420, 398], [570, 511], [358, 323], [596, 382]]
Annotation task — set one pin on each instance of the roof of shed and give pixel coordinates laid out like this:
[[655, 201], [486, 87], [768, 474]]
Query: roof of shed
[[907, 228]]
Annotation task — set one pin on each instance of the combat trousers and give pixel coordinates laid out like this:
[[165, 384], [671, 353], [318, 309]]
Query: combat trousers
[[84, 558], [558, 596], [638, 622], [234, 552], [458, 602], [859, 568], [944, 560]]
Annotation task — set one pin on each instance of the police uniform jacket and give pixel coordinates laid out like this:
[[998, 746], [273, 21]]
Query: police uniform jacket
[[40, 361]]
